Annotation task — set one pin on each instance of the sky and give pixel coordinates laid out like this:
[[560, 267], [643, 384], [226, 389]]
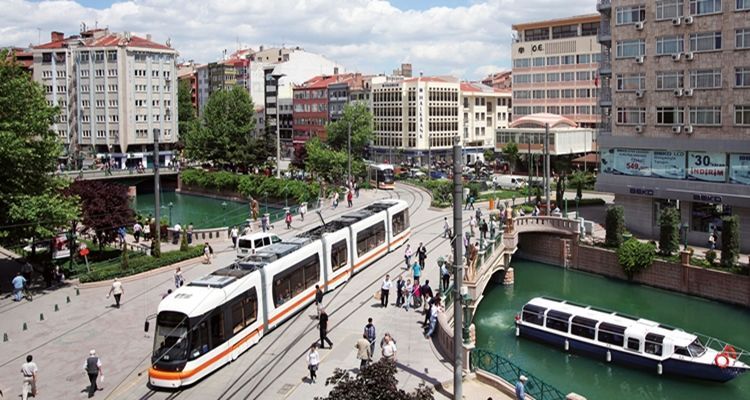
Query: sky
[[464, 38]]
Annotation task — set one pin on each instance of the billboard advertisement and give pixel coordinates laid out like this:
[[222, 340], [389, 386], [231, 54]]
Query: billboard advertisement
[[634, 162], [739, 168], [708, 167], [668, 164]]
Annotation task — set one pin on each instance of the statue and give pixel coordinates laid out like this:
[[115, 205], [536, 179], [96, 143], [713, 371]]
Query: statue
[[472, 334]]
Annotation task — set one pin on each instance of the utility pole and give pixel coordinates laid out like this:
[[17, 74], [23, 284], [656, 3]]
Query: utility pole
[[458, 276], [531, 161], [546, 165], [156, 241], [349, 140], [277, 78]]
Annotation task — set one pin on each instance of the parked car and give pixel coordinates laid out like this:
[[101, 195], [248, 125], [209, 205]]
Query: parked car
[[509, 182]]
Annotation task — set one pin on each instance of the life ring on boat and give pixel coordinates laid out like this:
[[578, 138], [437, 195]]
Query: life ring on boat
[[730, 351], [721, 360]]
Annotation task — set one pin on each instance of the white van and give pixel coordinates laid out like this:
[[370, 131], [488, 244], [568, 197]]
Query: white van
[[511, 182], [249, 244]]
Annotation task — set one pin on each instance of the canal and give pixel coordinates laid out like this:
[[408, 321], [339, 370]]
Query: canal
[[203, 212], [597, 379]]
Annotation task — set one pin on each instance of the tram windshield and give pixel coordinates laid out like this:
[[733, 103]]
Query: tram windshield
[[385, 175], [170, 340]]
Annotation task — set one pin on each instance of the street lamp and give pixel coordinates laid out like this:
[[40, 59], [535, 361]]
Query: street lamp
[[170, 205], [276, 78], [684, 228]]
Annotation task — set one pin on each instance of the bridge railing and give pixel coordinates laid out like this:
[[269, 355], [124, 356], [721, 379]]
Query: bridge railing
[[101, 173], [531, 223], [510, 372]]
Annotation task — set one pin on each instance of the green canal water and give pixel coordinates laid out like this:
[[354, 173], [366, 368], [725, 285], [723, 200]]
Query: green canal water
[[593, 378], [203, 212]]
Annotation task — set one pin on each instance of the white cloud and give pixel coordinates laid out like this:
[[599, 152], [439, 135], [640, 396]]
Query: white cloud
[[366, 35]]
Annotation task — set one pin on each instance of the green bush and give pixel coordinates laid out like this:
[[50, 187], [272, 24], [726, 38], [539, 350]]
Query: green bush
[[257, 186], [140, 264], [615, 225], [635, 256], [669, 231], [730, 241], [441, 190], [710, 257]]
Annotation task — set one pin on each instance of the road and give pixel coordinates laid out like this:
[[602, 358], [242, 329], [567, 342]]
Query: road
[[275, 368]]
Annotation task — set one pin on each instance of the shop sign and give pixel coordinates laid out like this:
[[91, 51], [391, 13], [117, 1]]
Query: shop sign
[[633, 162], [706, 198], [642, 192], [709, 167], [668, 164], [739, 168]]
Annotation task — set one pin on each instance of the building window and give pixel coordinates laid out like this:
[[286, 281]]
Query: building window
[[538, 61], [670, 116], [114, 118], [84, 73], [538, 94], [568, 110], [553, 110], [536, 34], [100, 118], [703, 7], [631, 48], [568, 60], [538, 78], [113, 103], [112, 55], [705, 116], [583, 93], [742, 39], [99, 73], [522, 78], [568, 93], [589, 29], [705, 217], [100, 103], [84, 57], [522, 63], [584, 58], [112, 72], [555, 60], [742, 5], [553, 94], [666, 45], [522, 94], [630, 82], [567, 76], [86, 134], [99, 56], [553, 77], [668, 9], [631, 116], [583, 75], [583, 110], [669, 80], [631, 14], [99, 88], [101, 133], [742, 115], [112, 88], [705, 79], [706, 41], [565, 31], [742, 77]]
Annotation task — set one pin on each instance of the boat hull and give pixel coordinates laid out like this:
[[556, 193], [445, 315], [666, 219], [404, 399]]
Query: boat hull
[[670, 366]]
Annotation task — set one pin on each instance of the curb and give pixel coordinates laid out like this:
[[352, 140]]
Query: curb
[[131, 278]]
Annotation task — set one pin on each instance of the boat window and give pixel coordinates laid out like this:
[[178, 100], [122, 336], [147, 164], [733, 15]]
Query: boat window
[[681, 351], [696, 348], [533, 314], [339, 255], [653, 344], [370, 238], [584, 327], [634, 344], [612, 334], [557, 320]]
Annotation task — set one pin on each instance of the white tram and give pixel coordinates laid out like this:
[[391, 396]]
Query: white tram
[[212, 320]]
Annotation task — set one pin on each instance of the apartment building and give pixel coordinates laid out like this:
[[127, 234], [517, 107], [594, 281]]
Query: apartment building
[[499, 80], [187, 72], [555, 68], [116, 92], [676, 112], [485, 109], [312, 104]]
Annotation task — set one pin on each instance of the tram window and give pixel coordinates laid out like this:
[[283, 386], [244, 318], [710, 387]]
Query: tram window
[[400, 222], [653, 344], [533, 314], [634, 344], [557, 320], [250, 306], [296, 279], [244, 310], [584, 327], [238, 321], [612, 334], [339, 255], [217, 329], [199, 340], [370, 238]]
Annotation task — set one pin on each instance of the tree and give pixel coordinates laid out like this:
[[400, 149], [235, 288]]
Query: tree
[[578, 180], [510, 151], [105, 208], [361, 122], [328, 164], [31, 202], [635, 256], [223, 134], [730, 241], [669, 231], [489, 155], [560, 190], [614, 224], [185, 110], [374, 382]]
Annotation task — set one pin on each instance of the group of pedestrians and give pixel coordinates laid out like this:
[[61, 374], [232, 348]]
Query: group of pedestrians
[[92, 366]]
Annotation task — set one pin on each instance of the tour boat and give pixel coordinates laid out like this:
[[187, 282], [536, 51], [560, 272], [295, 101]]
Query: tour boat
[[623, 339]]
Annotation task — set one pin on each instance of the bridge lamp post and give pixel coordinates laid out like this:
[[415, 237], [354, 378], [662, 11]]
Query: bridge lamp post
[[170, 205]]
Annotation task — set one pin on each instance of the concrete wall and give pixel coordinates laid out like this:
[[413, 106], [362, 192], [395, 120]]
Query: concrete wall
[[540, 247]]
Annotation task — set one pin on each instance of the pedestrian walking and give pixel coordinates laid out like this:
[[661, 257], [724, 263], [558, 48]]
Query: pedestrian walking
[[478, 213], [147, 230], [400, 283], [234, 233], [385, 289], [356, 189], [364, 352], [29, 371], [370, 334], [137, 230], [427, 298], [711, 241], [190, 233], [313, 359], [349, 196], [207, 251], [177, 231], [483, 229], [445, 275], [121, 234], [472, 225], [335, 202], [520, 389], [466, 242], [468, 199], [416, 272], [388, 348], [117, 291], [264, 222], [435, 309], [446, 228], [302, 211], [471, 202], [318, 300], [288, 219], [93, 368], [408, 293], [407, 255], [421, 254], [19, 283], [178, 279], [323, 326]]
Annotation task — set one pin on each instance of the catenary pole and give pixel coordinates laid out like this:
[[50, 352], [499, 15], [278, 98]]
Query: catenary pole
[[458, 278], [349, 140], [546, 164], [157, 231]]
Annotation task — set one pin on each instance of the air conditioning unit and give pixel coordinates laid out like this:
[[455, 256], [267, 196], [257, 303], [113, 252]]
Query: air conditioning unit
[[689, 20], [688, 92], [676, 57], [639, 128], [676, 21], [689, 129], [678, 92], [690, 56], [676, 129], [639, 93], [639, 60], [639, 25]]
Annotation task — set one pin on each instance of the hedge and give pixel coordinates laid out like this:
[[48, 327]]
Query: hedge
[[140, 264], [252, 185]]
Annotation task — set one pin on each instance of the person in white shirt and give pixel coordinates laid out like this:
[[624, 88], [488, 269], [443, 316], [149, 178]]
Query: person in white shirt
[[302, 211], [93, 368], [313, 360], [178, 279], [117, 291], [177, 233], [234, 233], [407, 256], [29, 371], [388, 348], [385, 289]]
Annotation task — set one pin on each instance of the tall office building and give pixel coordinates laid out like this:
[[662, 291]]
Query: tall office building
[[676, 112], [555, 68]]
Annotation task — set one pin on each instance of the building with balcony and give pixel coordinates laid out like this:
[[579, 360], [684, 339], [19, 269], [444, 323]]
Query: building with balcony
[[485, 110], [116, 92], [555, 68], [676, 106], [187, 72]]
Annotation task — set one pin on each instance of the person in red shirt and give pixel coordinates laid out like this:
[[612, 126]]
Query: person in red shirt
[[349, 196]]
